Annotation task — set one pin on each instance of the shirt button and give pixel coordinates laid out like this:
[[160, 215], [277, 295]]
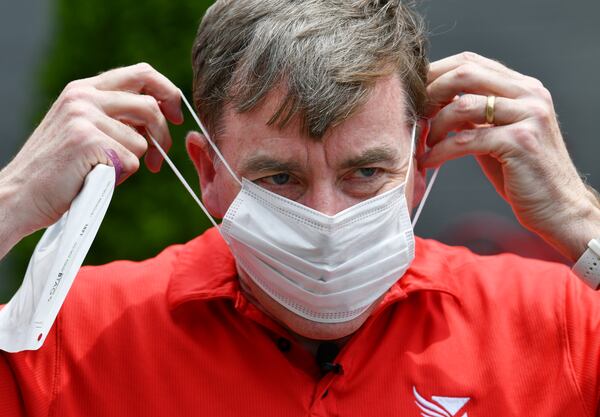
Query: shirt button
[[284, 344]]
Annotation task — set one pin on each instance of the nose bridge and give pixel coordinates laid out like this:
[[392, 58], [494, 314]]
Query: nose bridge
[[320, 193], [323, 196]]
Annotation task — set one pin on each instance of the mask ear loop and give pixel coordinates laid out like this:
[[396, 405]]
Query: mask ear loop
[[427, 190], [183, 181], [207, 136], [178, 173], [412, 151]]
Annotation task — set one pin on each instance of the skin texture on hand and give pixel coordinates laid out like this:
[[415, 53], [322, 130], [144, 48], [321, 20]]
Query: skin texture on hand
[[9, 204], [522, 153], [94, 121]]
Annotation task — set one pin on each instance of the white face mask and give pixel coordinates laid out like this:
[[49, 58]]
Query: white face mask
[[327, 269]]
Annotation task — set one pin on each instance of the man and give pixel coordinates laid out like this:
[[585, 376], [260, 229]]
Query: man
[[319, 107]]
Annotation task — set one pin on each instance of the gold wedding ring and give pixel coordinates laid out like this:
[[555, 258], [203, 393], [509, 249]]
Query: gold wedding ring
[[489, 110]]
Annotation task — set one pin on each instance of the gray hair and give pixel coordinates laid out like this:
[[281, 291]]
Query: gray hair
[[326, 56]]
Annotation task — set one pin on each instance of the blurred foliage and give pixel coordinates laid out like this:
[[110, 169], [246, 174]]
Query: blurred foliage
[[148, 212]]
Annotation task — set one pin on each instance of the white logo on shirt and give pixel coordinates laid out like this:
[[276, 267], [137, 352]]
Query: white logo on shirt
[[441, 406]]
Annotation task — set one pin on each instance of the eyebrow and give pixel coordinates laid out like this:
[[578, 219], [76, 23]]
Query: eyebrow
[[263, 163], [371, 156]]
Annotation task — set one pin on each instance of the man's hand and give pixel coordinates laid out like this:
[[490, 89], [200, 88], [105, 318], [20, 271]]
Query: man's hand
[[91, 119], [523, 153]]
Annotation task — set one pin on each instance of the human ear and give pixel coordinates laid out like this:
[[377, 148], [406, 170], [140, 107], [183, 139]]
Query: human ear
[[198, 149], [420, 175], [421, 134]]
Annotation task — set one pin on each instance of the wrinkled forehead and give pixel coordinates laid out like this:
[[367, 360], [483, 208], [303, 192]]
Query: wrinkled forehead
[[380, 123]]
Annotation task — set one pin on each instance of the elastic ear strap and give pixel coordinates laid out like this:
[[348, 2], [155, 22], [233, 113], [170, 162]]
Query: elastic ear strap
[[207, 136], [431, 182], [427, 191], [176, 171], [412, 150], [183, 181]]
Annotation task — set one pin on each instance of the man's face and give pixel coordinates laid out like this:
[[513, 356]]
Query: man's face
[[360, 158]]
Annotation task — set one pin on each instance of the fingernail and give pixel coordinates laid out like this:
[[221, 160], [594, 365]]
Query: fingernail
[[154, 159], [116, 162]]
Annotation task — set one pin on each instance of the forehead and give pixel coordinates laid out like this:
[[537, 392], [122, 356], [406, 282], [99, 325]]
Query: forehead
[[381, 121]]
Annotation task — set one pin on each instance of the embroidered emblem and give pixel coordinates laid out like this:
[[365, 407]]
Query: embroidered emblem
[[440, 406]]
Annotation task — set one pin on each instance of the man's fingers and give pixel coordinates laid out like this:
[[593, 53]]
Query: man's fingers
[[493, 169], [127, 136], [482, 141], [138, 110], [469, 110], [142, 78], [438, 68], [470, 79], [133, 141], [129, 163], [116, 162]]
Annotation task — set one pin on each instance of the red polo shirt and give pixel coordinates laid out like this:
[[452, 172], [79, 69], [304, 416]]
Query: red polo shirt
[[174, 336]]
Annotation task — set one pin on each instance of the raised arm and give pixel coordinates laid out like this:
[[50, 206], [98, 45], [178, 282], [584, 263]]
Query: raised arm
[[507, 121], [98, 120]]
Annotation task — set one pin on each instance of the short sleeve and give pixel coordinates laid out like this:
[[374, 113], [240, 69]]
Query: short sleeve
[[582, 323]]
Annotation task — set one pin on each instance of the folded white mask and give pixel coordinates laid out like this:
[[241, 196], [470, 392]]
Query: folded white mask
[[26, 320]]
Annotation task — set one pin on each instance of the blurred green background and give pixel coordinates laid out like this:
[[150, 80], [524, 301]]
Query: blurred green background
[[91, 36]]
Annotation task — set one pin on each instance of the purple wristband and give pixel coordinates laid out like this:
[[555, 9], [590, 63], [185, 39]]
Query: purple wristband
[[114, 158]]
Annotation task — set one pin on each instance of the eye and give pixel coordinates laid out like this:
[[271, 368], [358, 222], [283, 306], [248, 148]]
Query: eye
[[278, 179], [366, 172], [284, 184], [364, 182]]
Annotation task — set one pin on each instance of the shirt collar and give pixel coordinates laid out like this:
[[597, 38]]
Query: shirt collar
[[205, 270]]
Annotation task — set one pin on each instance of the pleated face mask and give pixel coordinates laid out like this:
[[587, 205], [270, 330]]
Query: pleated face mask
[[327, 269]]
